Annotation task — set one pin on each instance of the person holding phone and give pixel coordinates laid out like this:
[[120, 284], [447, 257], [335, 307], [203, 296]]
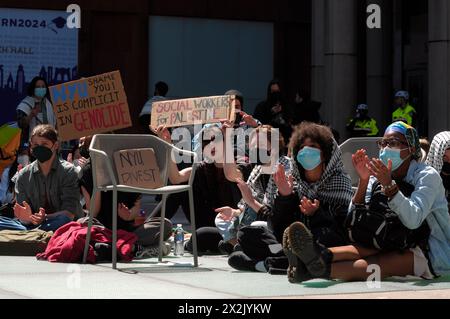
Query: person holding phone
[[36, 108]]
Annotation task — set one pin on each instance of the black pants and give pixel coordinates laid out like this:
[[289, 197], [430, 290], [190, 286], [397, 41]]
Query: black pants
[[203, 218], [260, 244], [208, 239]]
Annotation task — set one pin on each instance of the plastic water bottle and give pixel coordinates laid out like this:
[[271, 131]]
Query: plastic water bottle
[[179, 240]]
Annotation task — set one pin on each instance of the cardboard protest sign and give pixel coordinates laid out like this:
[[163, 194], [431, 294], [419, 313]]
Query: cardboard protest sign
[[202, 110], [91, 105], [138, 168]]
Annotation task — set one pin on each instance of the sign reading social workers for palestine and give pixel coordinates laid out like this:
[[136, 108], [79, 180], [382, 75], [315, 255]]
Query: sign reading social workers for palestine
[[202, 110], [90, 106]]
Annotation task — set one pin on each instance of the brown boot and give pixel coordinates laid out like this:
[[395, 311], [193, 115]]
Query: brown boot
[[296, 271], [316, 257]]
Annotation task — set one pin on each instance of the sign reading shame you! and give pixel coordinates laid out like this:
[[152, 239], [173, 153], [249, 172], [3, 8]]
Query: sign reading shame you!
[[138, 168], [200, 110], [91, 105]]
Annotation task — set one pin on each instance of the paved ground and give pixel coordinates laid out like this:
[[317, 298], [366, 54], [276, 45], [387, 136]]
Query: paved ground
[[25, 277]]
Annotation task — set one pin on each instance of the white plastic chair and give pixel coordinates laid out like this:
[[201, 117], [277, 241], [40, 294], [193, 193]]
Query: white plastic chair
[[350, 146], [102, 149]]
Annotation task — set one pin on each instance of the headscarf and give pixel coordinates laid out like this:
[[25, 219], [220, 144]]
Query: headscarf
[[440, 144], [334, 187], [410, 134]]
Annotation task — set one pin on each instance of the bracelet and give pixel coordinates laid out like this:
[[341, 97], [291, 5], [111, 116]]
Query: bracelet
[[389, 187], [391, 192]]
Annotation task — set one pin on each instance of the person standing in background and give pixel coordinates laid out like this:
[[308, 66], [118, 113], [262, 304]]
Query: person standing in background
[[404, 112], [36, 108], [362, 124], [273, 111], [161, 89]]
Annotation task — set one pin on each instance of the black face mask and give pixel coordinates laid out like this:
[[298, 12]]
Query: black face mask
[[275, 97], [446, 168], [84, 152], [42, 153]]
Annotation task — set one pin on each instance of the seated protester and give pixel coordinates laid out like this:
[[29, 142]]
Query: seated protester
[[214, 186], [80, 153], [241, 123], [323, 191], [439, 158], [128, 212], [259, 190], [399, 152], [47, 190], [7, 182], [318, 193]]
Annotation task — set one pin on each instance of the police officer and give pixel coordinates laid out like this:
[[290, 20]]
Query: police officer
[[362, 125], [404, 112]]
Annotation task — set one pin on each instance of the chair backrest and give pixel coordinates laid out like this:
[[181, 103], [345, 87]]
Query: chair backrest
[[110, 143], [350, 146]]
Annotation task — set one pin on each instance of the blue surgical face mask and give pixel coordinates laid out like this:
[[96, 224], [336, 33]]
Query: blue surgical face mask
[[392, 154], [40, 92], [309, 158]]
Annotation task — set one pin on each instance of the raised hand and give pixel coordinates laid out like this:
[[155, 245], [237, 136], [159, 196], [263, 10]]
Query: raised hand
[[382, 173], [226, 213], [246, 192], [23, 213], [361, 164], [285, 184], [124, 213], [39, 217], [162, 132], [309, 207], [249, 120]]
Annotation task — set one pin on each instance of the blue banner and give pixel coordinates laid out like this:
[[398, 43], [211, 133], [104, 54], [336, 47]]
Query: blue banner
[[33, 43]]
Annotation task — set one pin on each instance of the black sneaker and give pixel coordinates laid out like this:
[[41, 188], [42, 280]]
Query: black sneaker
[[237, 247], [296, 271], [315, 257], [103, 252], [225, 248], [240, 261]]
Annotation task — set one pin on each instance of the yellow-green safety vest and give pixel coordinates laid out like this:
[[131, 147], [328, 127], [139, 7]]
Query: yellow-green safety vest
[[368, 126], [405, 115]]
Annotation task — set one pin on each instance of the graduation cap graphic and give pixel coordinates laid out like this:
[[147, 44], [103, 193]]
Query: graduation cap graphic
[[58, 23]]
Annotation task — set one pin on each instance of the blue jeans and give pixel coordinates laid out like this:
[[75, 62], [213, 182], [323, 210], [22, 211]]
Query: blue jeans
[[51, 223], [7, 223]]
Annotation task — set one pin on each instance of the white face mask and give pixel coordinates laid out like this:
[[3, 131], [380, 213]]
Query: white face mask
[[23, 160]]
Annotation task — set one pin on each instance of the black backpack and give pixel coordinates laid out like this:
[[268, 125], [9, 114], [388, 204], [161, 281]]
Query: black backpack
[[377, 226]]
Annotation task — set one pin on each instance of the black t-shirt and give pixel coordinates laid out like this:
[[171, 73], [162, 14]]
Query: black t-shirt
[[105, 213], [212, 190]]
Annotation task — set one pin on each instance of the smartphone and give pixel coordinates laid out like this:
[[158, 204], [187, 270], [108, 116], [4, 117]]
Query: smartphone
[[238, 118]]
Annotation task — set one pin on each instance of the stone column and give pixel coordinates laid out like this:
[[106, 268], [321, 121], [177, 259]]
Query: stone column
[[379, 66], [317, 51], [340, 63], [438, 66]]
